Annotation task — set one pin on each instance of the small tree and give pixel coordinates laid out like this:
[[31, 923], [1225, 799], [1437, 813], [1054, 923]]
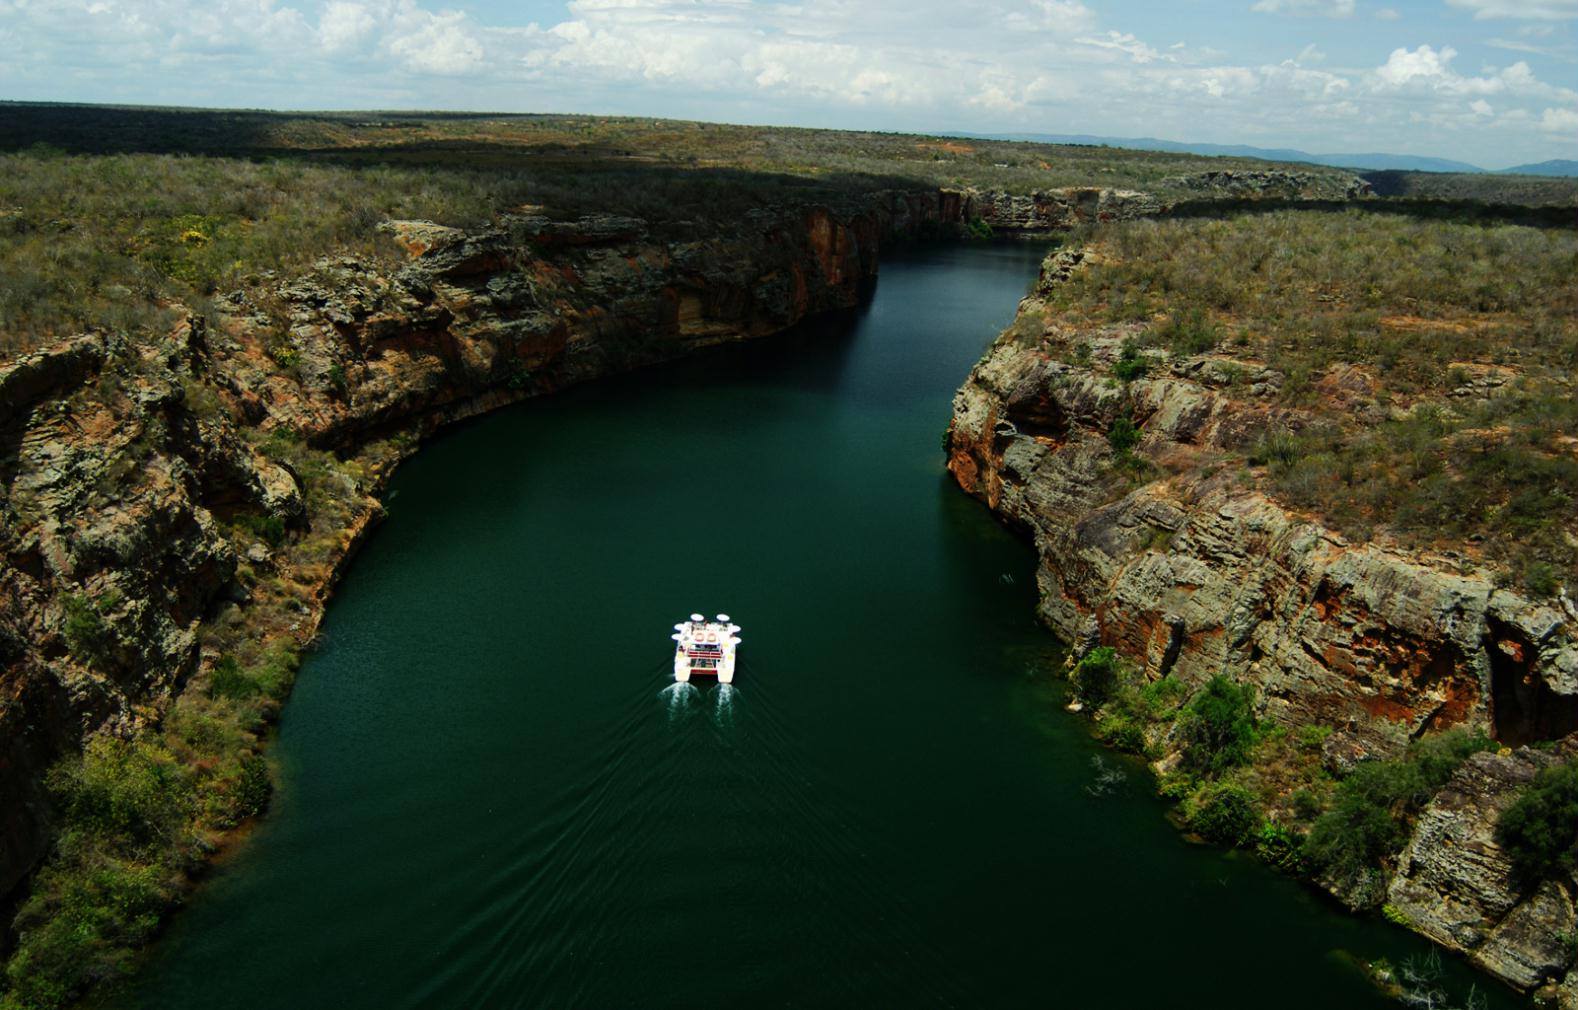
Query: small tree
[[1369, 817], [1123, 436], [1130, 364], [1367, 821], [89, 637], [1096, 675], [1540, 830], [1225, 813], [1218, 727]]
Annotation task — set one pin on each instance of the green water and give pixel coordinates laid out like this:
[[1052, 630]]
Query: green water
[[491, 796]]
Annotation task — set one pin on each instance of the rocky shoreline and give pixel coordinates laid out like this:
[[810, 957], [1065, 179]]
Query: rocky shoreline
[[1188, 571]]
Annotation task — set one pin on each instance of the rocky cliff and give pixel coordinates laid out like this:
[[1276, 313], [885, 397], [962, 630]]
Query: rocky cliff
[[1126, 467]]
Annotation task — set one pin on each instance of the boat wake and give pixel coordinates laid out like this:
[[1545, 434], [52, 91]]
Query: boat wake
[[680, 701], [723, 707]]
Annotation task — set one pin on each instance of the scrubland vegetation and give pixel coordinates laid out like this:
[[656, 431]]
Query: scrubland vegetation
[[110, 215], [1527, 190], [1424, 368]]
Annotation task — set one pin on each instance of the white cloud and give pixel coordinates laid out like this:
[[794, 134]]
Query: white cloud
[[1387, 14], [1559, 51], [1547, 10], [343, 25], [1322, 8], [1429, 70], [1423, 63], [1563, 122], [1121, 42], [1067, 15], [1480, 107], [438, 44]]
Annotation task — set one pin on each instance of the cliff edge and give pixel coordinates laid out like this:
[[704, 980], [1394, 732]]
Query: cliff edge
[[1197, 480]]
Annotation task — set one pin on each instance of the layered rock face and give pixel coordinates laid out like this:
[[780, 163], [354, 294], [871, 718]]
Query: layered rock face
[[1189, 571], [1274, 184], [112, 553], [1052, 211], [1455, 884]]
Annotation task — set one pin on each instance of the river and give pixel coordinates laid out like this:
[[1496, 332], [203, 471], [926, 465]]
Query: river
[[491, 796]]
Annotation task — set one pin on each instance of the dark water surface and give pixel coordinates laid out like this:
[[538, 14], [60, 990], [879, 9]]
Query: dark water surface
[[490, 795]]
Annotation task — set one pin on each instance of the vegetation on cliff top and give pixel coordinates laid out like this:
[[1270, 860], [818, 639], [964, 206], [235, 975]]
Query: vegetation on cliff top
[[1420, 371], [109, 215], [1529, 190]]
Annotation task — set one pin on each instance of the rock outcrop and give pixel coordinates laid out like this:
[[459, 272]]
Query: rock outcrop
[[1455, 884], [1189, 569], [1043, 213], [1273, 184]]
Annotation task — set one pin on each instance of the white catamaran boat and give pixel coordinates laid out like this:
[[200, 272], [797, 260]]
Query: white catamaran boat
[[705, 648]]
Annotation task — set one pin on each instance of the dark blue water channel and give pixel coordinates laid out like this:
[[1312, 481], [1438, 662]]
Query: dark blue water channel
[[489, 796]]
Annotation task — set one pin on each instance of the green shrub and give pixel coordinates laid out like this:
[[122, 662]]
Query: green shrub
[[268, 528], [978, 228], [1306, 804], [255, 787], [1095, 676], [1365, 823], [1371, 812], [1161, 699], [1189, 332], [1225, 813], [1540, 830], [1312, 737], [1122, 731], [1280, 847], [1439, 756], [338, 382], [1540, 580], [1218, 727], [88, 635], [136, 792], [1124, 436], [1279, 448], [1131, 364], [275, 670], [229, 681]]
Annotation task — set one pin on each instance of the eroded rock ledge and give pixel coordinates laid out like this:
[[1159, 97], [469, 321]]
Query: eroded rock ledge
[[1189, 571]]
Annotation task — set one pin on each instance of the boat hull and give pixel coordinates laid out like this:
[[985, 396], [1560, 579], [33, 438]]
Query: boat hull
[[705, 649]]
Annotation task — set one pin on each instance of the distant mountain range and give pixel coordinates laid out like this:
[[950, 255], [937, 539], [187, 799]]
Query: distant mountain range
[[1556, 166], [1367, 162]]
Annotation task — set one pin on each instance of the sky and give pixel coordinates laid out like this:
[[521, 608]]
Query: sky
[[1491, 82]]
